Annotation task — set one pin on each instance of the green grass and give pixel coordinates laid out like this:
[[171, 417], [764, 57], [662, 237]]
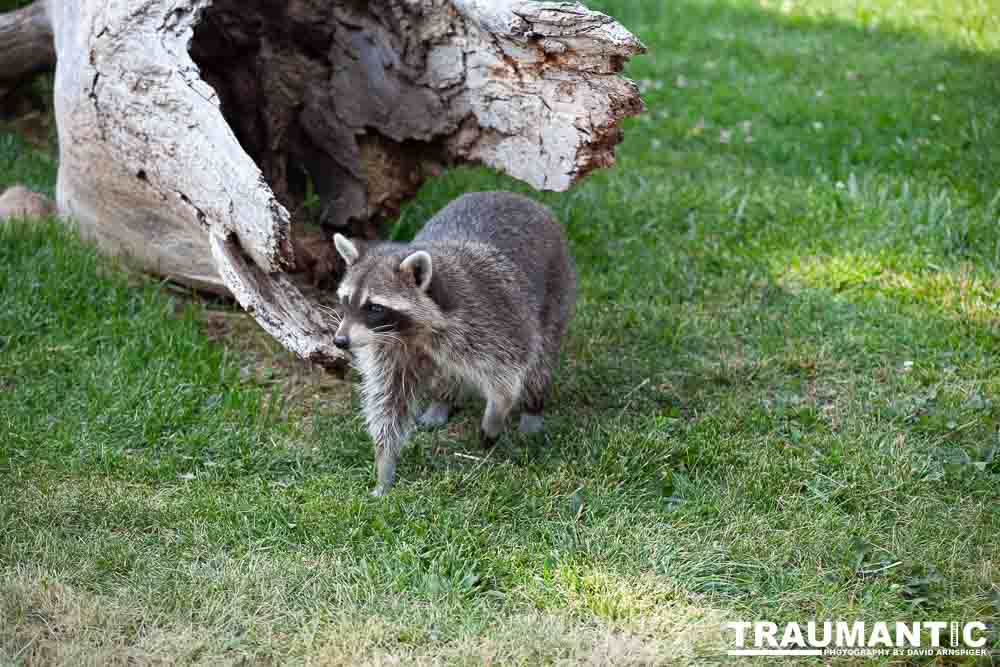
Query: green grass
[[779, 399]]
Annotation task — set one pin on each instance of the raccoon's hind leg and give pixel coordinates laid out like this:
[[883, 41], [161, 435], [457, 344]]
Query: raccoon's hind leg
[[556, 312], [531, 423], [536, 390], [435, 415], [444, 393]]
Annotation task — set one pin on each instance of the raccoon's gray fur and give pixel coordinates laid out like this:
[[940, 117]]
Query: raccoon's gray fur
[[480, 298]]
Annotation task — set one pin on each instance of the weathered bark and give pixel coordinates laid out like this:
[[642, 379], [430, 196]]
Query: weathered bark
[[369, 99], [363, 99], [25, 46]]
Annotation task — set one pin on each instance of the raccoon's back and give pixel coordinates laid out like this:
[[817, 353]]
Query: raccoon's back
[[523, 230]]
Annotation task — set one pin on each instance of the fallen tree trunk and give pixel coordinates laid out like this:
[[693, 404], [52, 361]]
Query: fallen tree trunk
[[192, 133]]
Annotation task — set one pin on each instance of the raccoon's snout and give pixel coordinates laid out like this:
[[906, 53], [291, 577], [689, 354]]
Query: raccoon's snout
[[343, 342]]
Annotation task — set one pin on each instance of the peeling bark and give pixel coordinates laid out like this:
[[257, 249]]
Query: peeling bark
[[190, 130], [277, 305], [368, 100]]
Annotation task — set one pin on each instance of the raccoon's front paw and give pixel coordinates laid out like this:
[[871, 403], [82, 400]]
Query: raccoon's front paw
[[488, 442], [436, 415]]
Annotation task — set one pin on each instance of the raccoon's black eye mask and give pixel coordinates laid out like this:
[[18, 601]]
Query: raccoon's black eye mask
[[375, 315]]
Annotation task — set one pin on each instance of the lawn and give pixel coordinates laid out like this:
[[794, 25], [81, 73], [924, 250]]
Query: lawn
[[780, 397]]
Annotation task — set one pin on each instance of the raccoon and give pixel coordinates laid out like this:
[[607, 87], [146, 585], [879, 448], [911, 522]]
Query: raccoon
[[480, 299]]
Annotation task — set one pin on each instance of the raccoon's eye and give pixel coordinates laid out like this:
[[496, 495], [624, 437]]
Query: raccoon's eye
[[374, 308]]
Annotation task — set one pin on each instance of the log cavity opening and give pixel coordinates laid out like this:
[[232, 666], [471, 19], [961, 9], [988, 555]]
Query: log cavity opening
[[266, 61], [313, 92]]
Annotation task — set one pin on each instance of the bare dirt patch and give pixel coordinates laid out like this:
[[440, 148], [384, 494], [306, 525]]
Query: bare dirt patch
[[303, 387]]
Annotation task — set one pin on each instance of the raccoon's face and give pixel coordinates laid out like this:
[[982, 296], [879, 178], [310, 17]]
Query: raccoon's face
[[384, 296]]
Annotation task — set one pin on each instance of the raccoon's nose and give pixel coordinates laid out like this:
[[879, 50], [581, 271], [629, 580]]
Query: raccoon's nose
[[343, 342]]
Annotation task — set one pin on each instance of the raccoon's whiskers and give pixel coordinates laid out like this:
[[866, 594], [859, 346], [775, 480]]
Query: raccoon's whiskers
[[326, 308], [385, 336], [332, 313], [386, 332]]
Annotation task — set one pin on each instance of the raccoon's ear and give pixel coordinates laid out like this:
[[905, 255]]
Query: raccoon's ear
[[419, 264], [347, 250]]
